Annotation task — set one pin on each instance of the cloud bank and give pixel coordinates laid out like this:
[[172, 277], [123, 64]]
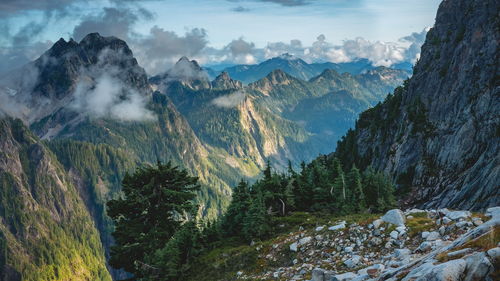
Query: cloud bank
[[231, 100], [159, 49]]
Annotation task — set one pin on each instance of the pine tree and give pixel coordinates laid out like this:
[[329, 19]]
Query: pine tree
[[357, 196], [155, 199], [232, 222], [256, 225]]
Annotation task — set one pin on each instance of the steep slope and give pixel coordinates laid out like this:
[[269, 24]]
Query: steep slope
[[439, 135], [45, 228]]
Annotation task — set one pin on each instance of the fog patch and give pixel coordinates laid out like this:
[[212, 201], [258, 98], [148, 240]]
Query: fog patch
[[231, 100]]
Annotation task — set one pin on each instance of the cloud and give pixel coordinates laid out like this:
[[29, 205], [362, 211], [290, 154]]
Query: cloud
[[102, 92], [240, 9], [16, 6], [160, 49], [112, 21], [289, 3], [107, 97], [230, 100]]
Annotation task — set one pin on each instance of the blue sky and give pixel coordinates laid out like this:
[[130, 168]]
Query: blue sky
[[222, 31]]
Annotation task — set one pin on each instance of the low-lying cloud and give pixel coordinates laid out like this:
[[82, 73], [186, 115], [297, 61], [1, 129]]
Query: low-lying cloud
[[231, 100], [106, 97]]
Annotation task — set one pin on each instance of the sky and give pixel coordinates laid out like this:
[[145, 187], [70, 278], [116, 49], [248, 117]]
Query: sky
[[222, 32]]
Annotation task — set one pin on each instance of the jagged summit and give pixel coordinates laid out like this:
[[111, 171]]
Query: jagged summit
[[186, 72], [223, 81]]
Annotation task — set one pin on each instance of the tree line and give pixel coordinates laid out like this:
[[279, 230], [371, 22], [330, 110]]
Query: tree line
[[158, 236]]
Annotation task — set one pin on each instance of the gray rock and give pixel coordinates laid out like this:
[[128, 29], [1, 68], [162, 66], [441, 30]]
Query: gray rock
[[401, 254], [394, 216], [348, 276], [338, 226], [348, 249], [478, 267], [353, 262], [433, 236], [459, 253], [319, 228], [318, 274], [424, 247], [493, 212], [394, 234], [442, 230], [446, 220], [456, 215], [305, 240], [293, 247], [451, 270], [376, 223], [494, 254], [418, 272], [425, 234], [477, 222]]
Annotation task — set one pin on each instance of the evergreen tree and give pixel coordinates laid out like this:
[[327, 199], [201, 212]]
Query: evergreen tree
[[357, 196], [232, 222], [256, 223], [155, 199]]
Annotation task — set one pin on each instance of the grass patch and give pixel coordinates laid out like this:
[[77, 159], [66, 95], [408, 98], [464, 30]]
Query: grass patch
[[486, 241], [417, 225]]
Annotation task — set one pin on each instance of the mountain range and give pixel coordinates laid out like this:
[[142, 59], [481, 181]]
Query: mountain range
[[77, 119], [88, 113]]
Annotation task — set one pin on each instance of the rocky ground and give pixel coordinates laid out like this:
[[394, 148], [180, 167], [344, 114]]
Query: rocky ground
[[401, 245]]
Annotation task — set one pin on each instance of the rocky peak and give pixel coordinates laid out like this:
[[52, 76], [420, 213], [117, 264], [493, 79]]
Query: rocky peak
[[440, 137], [223, 81], [186, 72]]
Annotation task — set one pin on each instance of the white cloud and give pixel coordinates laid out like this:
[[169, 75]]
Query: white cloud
[[231, 100]]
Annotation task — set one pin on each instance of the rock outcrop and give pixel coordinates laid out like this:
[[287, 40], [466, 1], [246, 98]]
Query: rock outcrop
[[377, 250], [438, 135]]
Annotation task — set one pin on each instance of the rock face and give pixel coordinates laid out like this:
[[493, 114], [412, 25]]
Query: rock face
[[223, 81], [438, 135]]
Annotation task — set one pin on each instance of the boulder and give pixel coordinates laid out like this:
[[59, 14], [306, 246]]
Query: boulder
[[353, 262], [493, 212], [451, 270], [344, 277], [293, 247], [319, 228], [494, 254], [424, 247], [401, 254], [318, 274], [456, 215], [377, 223], [433, 236], [394, 234], [459, 253], [394, 216], [305, 240], [338, 226], [478, 267]]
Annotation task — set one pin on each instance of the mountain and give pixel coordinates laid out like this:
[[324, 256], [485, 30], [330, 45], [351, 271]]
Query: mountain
[[98, 116], [296, 67], [186, 72], [438, 136], [46, 232]]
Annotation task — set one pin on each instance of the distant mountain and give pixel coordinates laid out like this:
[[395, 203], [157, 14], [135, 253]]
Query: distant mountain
[[297, 68], [438, 135]]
